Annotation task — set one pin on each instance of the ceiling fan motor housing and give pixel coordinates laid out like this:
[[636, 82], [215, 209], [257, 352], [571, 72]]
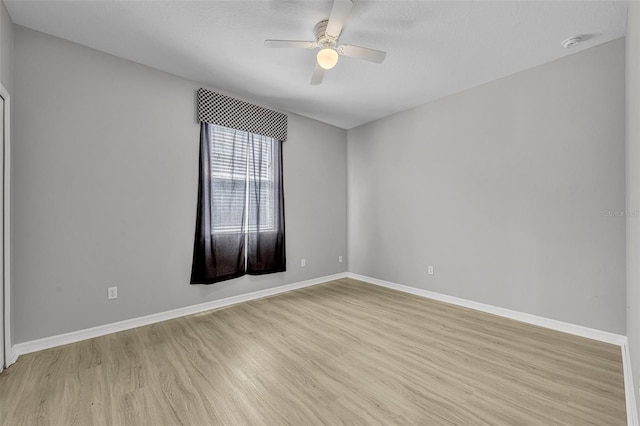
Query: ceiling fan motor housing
[[323, 39]]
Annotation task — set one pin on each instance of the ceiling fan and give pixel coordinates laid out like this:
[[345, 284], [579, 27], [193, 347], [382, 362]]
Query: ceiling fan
[[327, 33]]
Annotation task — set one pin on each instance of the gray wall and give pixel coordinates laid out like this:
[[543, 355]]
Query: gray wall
[[633, 190], [105, 183], [6, 49], [504, 189]]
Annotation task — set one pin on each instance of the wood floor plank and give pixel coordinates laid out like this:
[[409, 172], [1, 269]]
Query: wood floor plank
[[343, 352]]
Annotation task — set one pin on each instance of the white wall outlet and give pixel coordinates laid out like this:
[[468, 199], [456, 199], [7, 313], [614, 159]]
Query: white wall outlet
[[340, 259], [112, 293], [430, 270], [303, 262]]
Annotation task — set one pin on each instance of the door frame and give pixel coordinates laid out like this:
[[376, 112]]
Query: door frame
[[9, 356]]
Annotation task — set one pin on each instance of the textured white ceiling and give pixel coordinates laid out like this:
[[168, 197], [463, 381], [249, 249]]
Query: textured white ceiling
[[434, 48]]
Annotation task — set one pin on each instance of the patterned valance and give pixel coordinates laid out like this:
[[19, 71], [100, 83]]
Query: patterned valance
[[225, 111]]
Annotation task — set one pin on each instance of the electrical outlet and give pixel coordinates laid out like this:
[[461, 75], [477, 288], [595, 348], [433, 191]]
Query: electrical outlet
[[112, 293], [303, 262], [340, 259], [430, 270]]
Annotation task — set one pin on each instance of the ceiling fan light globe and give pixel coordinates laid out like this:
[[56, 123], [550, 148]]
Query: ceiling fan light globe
[[327, 58]]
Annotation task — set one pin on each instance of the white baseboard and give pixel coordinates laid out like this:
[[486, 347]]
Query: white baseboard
[[90, 333], [578, 330]]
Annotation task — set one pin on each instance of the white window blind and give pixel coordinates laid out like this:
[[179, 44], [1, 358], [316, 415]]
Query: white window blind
[[242, 181]]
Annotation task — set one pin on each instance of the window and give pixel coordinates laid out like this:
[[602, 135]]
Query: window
[[242, 181]]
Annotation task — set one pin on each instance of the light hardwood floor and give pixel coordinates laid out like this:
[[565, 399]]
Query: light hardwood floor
[[340, 352]]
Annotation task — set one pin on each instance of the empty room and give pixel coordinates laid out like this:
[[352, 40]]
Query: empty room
[[320, 212]]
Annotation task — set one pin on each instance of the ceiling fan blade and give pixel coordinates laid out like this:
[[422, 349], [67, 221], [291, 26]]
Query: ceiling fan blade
[[318, 75], [365, 53], [291, 43], [339, 13]]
